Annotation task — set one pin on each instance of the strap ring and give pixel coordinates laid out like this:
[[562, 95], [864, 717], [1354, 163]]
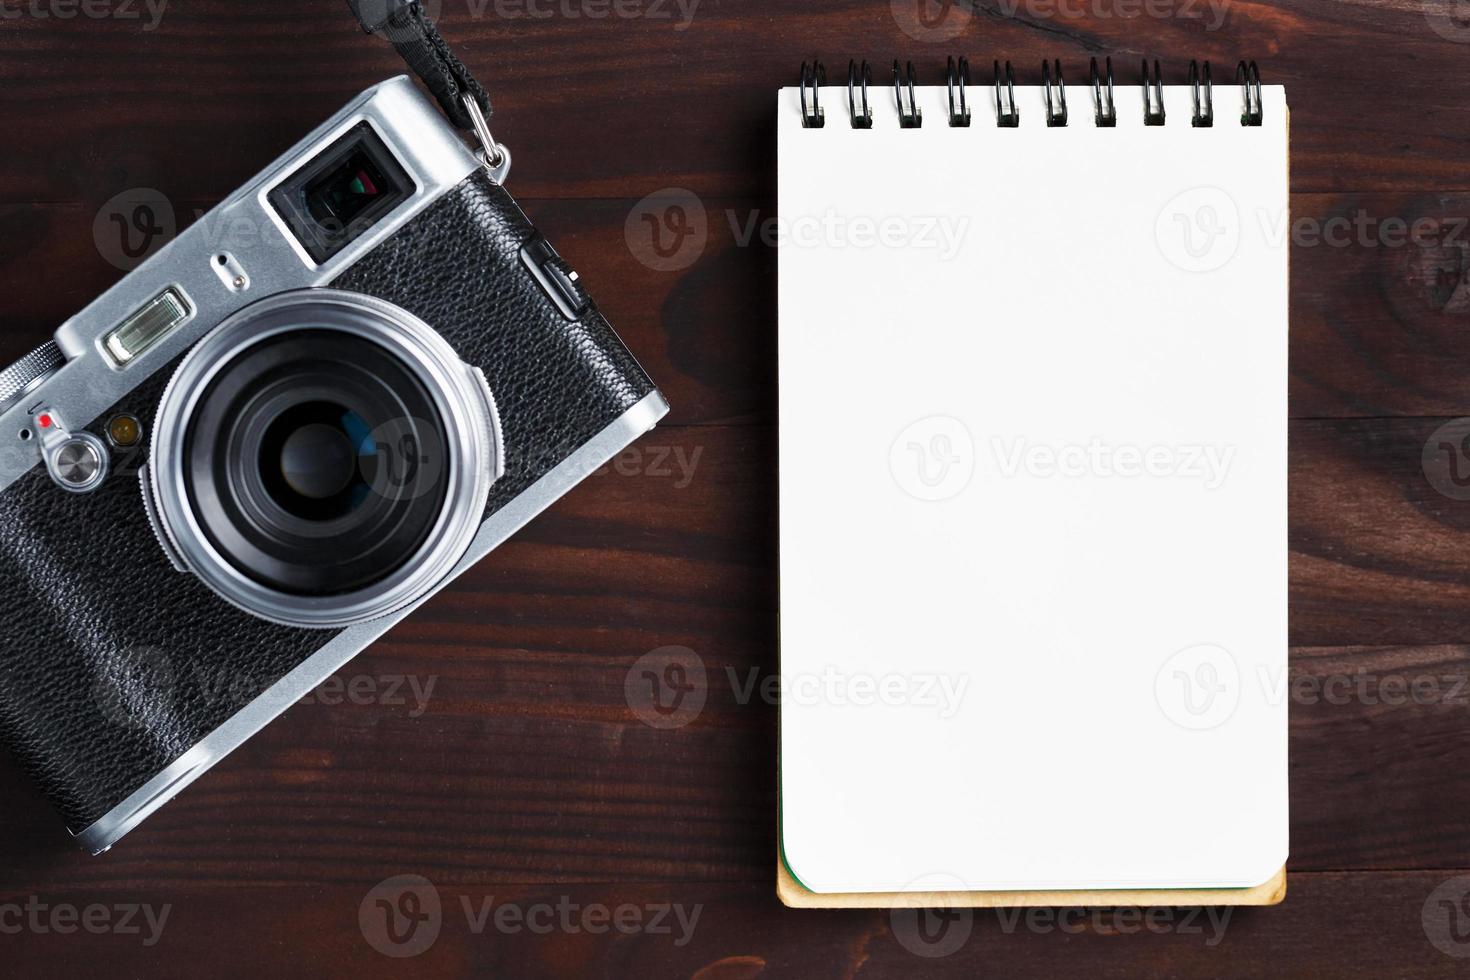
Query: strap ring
[[495, 155]]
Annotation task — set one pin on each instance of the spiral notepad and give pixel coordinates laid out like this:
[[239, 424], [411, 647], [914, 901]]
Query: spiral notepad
[[1033, 570]]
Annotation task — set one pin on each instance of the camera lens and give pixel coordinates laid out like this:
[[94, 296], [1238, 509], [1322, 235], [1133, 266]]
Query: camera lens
[[317, 461], [322, 458]]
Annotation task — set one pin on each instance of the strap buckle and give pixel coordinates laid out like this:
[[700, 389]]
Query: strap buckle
[[495, 156]]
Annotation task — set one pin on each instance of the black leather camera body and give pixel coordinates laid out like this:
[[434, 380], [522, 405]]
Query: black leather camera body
[[275, 438]]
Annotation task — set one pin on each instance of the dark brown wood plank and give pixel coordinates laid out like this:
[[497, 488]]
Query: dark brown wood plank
[[527, 762], [1379, 526], [621, 105], [1331, 925]]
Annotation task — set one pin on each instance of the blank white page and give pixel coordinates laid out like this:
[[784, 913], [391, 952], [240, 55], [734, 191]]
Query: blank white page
[[1033, 430]]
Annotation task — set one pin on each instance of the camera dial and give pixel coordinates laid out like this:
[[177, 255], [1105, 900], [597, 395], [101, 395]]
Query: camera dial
[[27, 374]]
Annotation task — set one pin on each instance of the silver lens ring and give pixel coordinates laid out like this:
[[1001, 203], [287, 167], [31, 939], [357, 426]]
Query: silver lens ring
[[467, 413]]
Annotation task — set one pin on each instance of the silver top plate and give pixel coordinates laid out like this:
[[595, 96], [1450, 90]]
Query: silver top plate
[[252, 235]]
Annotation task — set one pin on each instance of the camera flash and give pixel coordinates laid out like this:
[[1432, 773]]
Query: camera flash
[[146, 327]]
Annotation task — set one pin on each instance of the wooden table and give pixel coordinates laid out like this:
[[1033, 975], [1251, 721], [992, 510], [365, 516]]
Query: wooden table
[[527, 781]]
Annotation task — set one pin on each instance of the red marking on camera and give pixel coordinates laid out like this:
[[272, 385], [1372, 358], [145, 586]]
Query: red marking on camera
[[44, 421]]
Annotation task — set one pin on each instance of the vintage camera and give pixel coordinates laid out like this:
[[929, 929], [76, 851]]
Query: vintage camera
[[261, 449]]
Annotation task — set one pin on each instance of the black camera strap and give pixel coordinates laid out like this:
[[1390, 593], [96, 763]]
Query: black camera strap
[[461, 96]]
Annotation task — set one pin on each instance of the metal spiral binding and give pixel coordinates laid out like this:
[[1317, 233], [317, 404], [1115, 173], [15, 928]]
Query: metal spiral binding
[[1153, 98], [1007, 116], [856, 77], [812, 76], [1204, 107], [1249, 77], [959, 77], [1056, 107], [913, 116], [1109, 117], [1054, 91]]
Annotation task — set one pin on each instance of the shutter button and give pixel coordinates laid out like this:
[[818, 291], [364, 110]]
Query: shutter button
[[77, 461], [557, 278]]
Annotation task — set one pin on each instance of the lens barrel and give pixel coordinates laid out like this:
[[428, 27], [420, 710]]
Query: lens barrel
[[323, 458]]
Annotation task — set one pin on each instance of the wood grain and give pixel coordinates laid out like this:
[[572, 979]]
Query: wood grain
[[1380, 293], [524, 773], [619, 106], [1332, 925], [527, 763]]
